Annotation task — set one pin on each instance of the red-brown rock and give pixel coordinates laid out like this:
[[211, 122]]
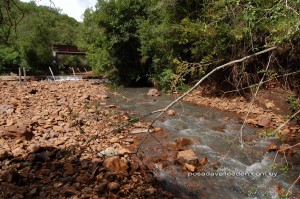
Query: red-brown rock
[[187, 156], [183, 142], [115, 164]]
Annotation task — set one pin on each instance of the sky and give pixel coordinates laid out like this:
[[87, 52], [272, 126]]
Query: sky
[[73, 8]]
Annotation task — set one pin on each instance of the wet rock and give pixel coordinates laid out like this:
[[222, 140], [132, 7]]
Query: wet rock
[[171, 112], [263, 120], [115, 164], [153, 92], [187, 156], [183, 142], [203, 161], [189, 167]]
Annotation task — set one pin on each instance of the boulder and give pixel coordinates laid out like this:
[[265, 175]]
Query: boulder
[[115, 164], [153, 92], [187, 156]]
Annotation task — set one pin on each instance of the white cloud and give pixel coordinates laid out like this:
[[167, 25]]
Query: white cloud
[[73, 8]]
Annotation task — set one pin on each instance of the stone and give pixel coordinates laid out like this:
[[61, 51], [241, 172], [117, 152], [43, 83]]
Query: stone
[[4, 108], [4, 154], [139, 130], [33, 148], [123, 151], [59, 142], [115, 164], [58, 129], [113, 186], [153, 92], [187, 156], [171, 112], [18, 131], [263, 120], [69, 169], [17, 152], [270, 105], [183, 142], [70, 191], [272, 147], [9, 176], [150, 191], [189, 167], [108, 152], [114, 140], [202, 161]]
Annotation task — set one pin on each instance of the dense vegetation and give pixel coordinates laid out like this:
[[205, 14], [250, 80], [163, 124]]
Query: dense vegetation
[[169, 43], [175, 42], [27, 34]]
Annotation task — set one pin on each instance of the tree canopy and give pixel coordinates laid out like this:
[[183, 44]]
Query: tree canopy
[[28, 32], [159, 39]]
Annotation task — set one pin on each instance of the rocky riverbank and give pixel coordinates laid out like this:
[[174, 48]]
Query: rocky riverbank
[[269, 111], [62, 140]]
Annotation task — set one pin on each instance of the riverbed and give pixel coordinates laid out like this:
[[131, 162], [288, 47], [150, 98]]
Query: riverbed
[[239, 171]]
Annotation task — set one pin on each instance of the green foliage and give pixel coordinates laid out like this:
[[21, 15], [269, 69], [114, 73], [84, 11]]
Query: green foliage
[[267, 133], [292, 101], [29, 45], [9, 58], [110, 35], [136, 39]]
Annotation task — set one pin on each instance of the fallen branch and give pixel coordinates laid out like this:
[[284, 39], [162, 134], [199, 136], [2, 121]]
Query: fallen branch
[[254, 85], [162, 111], [206, 76], [252, 101]]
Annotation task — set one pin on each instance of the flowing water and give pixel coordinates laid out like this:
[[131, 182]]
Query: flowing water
[[64, 78], [241, 173]]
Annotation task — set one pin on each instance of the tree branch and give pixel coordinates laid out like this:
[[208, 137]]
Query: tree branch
[[207, 75]]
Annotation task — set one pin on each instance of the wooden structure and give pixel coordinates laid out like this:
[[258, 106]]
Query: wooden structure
[[65, 50]]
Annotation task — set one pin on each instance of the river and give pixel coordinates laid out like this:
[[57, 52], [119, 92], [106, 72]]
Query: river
[[242, 172]]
